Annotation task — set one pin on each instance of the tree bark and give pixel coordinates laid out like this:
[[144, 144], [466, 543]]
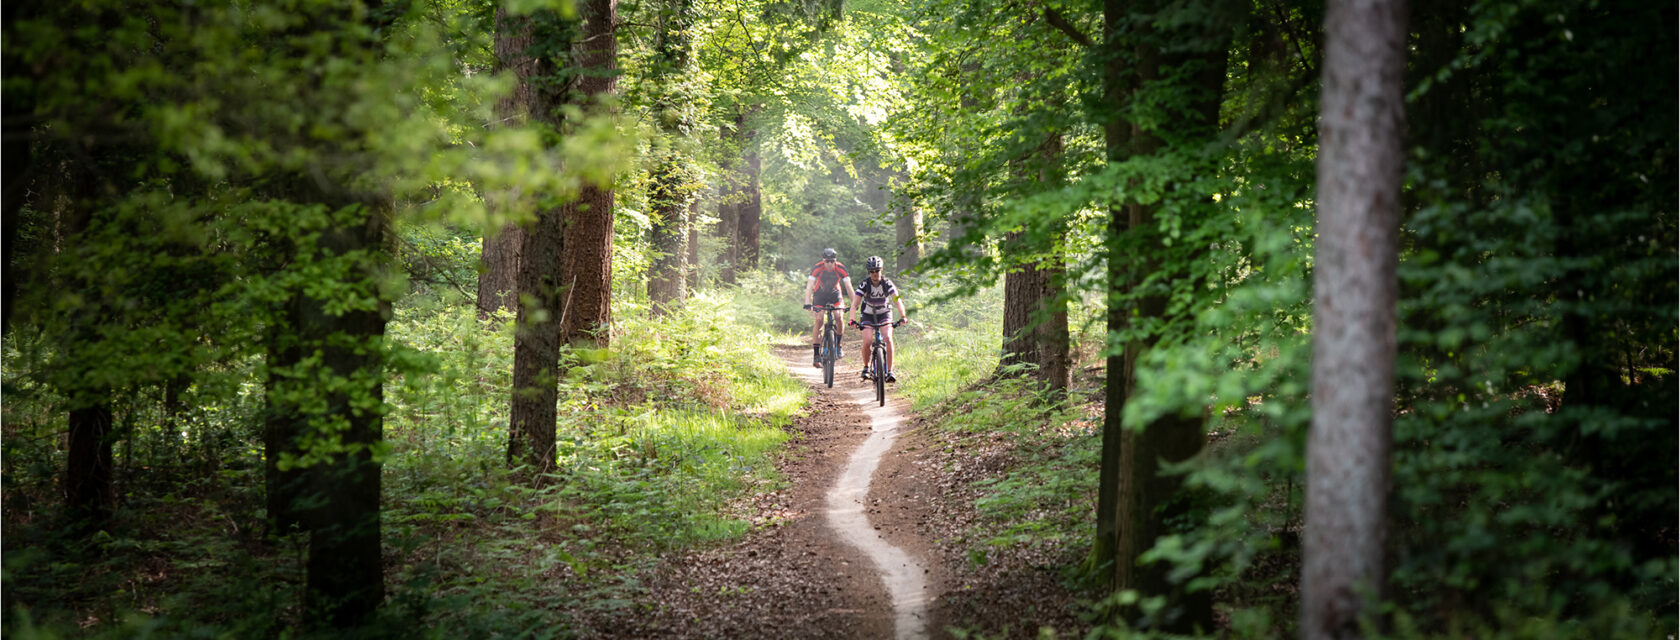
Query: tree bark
[[499, 258], [1143, 499], [671, 190], [693, 261], [1360, 165], [667, 285], [589, 220], [908, 224], [1035, 331], [728, 229], [346, 573], [324, 415], [89, 492], [539, 91], [751, 211], [1116, 143]]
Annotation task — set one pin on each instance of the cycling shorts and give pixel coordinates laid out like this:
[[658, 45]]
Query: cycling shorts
[[825, 297], [875, 319]]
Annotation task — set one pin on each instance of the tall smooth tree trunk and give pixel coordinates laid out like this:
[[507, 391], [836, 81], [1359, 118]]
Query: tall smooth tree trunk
[[1116, 143], [751, 211], [1360, 165], [539, 92], [499, 262], [589, 219], [728, 230], [19, 157]]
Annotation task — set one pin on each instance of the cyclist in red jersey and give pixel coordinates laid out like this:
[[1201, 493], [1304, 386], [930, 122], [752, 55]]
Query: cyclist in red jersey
[[823, 287]]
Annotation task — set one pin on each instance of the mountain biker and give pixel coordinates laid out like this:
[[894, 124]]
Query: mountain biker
[[823, 287], [874, 293]]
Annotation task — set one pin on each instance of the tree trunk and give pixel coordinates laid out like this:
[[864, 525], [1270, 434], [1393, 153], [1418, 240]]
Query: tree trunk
[[908, 224], [346, 572], [1116, 143], [498, 281], [15, 147], [1034, 331], [1023, 287], [672, 191], [589, 219], [751, 211], [497, 288], [89, 492], [323, 416], [666, 282], [533, 420], [539, 91], [693, 260], [1360, 165], [728, 229], [1142, 499]]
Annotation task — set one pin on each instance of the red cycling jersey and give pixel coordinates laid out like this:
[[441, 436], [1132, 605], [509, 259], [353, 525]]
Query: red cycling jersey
[[827, 275]]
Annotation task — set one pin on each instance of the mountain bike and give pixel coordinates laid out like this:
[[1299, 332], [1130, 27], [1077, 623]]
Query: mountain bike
[[831, 340], [878, 361]]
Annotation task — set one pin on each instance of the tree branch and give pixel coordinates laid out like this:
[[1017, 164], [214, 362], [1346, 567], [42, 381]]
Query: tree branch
[[1061, 24]]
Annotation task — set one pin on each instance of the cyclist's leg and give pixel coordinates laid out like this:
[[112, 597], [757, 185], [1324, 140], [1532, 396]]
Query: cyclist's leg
[[816, 338], [868, 341]]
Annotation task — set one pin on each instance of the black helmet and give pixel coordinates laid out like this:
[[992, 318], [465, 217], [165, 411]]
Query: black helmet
[[873, 263], [830, 254]]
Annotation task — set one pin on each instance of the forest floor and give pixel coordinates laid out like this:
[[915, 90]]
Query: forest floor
[[796, 575]]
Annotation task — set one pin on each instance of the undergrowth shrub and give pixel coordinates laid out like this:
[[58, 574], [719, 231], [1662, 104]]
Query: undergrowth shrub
[[661, 434]]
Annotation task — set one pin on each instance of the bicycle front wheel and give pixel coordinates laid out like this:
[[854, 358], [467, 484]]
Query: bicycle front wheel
[[880, 370], [831, 348]]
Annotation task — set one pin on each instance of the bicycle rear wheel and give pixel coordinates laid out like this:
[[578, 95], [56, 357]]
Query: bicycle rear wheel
[[879, 355]]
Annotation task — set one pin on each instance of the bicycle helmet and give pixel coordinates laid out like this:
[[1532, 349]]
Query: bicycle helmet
[[873, 263], [830, 254]]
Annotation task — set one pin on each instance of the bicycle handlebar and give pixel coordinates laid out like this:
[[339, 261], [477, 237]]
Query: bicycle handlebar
[[898, 323], [825, 307]]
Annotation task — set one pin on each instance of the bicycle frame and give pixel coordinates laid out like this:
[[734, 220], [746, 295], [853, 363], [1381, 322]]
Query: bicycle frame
[[831, 340], [878, 361]]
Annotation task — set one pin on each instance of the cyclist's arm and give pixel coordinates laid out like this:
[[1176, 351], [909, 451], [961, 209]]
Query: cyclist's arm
[[902, 314], [857, 301], [810, 286], [846, 285]]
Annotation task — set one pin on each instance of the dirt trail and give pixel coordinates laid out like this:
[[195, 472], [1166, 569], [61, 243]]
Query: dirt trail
[[901, 572], [816, 566]]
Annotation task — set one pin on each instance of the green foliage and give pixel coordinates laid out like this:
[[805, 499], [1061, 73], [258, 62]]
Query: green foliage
[[772, 300], [953, 343]]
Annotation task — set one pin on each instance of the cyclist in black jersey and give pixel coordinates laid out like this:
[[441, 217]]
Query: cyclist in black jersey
[[870, 301]]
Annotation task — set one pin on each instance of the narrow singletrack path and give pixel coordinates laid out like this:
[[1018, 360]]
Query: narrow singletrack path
[[814, 565], [901, 572]]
